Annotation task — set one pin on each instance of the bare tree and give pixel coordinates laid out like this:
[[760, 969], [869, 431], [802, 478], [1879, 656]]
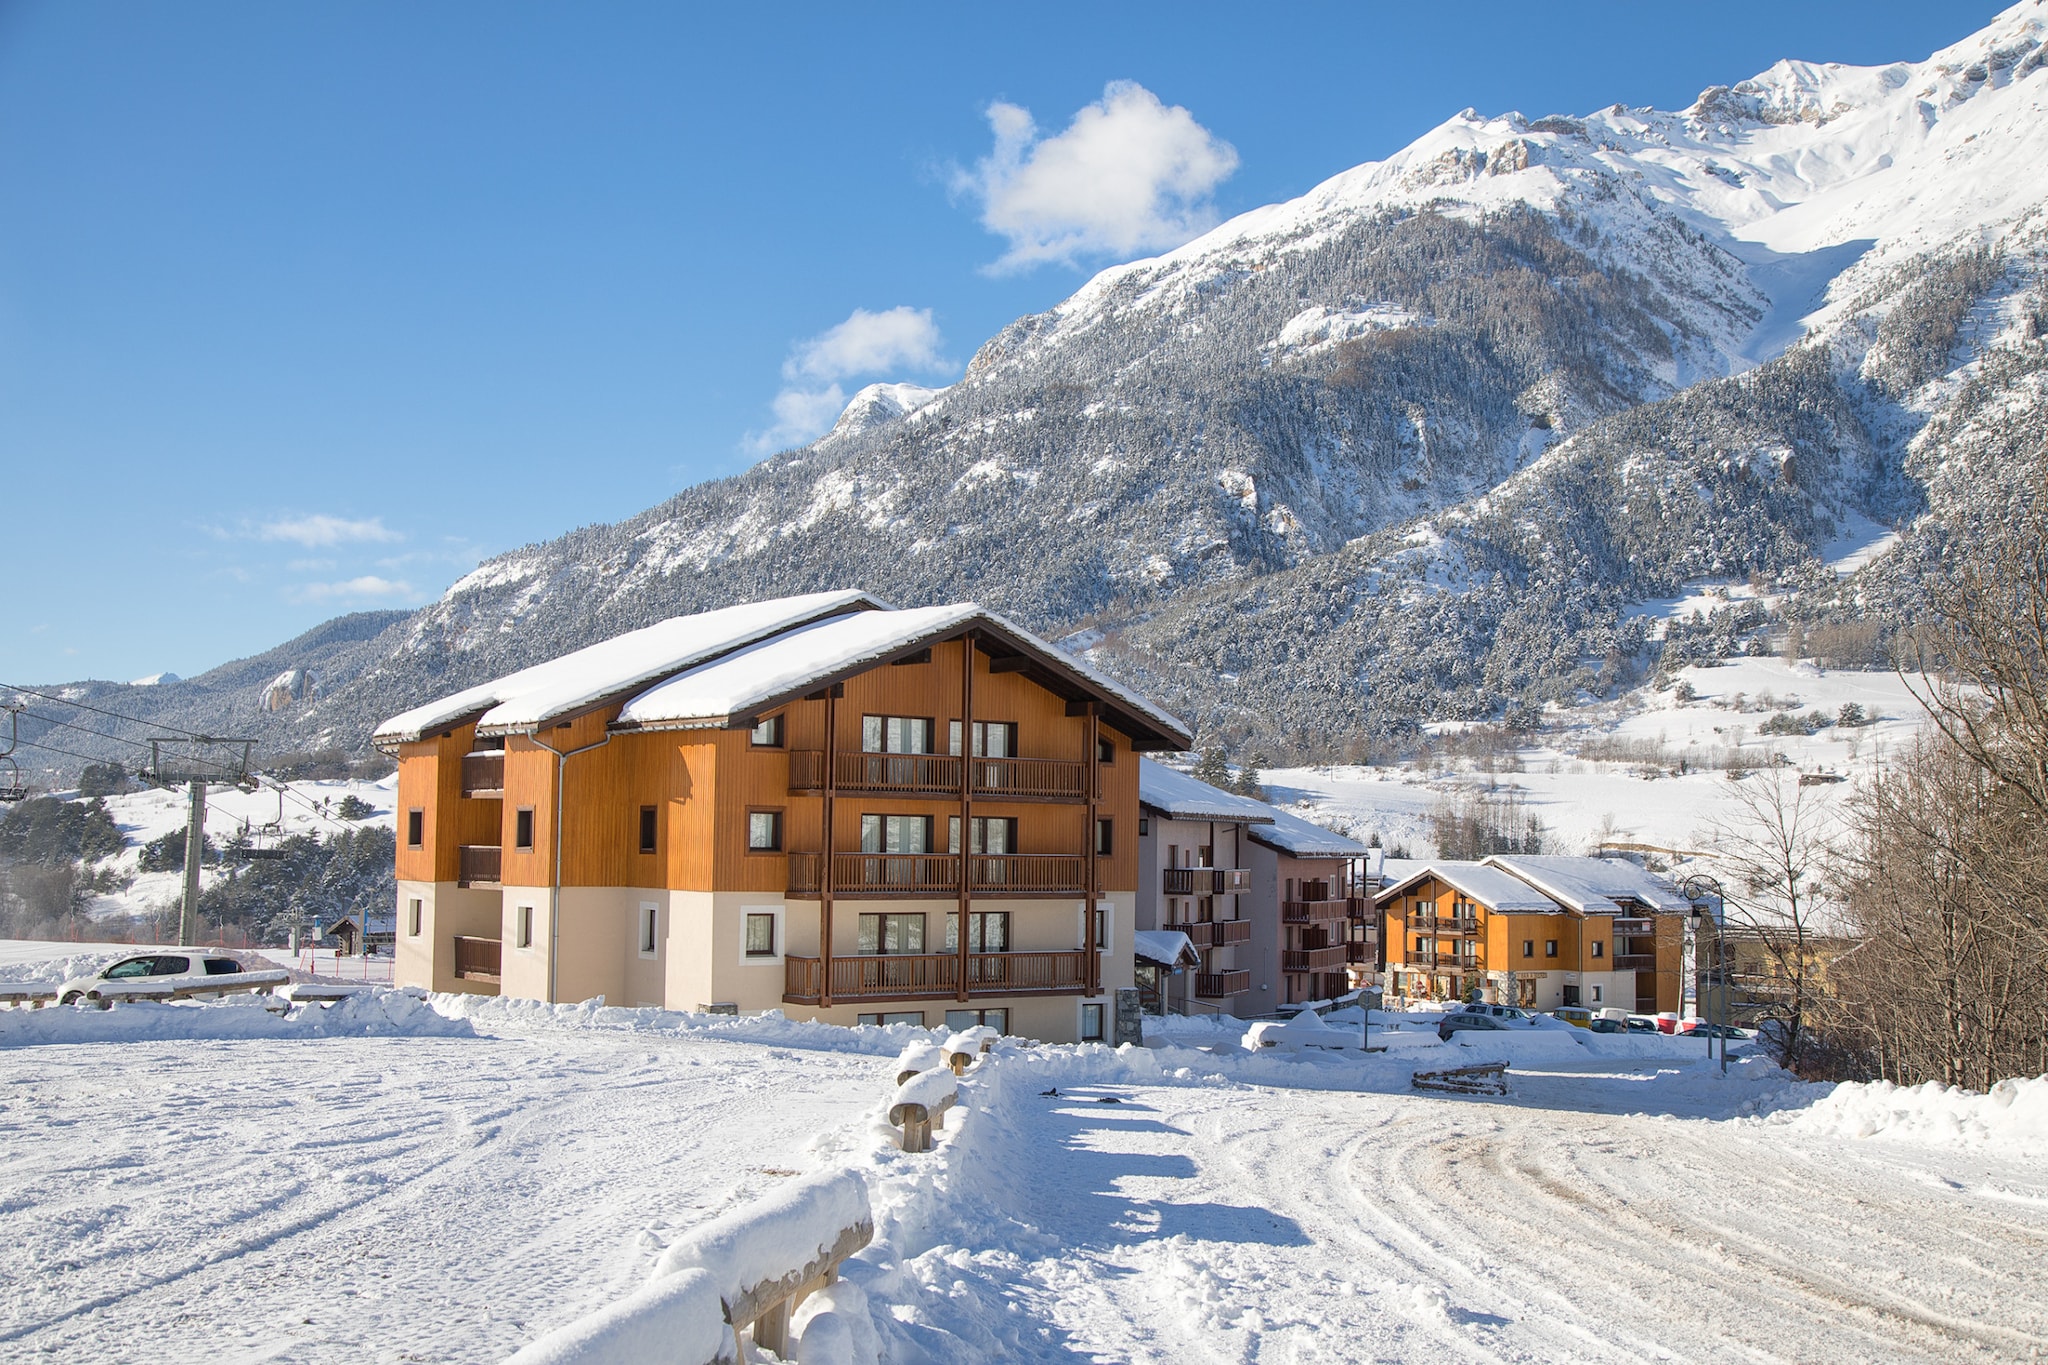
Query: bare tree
[[1769, 854]]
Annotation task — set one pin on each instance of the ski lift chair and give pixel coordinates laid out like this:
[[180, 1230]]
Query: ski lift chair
[[10, 782]]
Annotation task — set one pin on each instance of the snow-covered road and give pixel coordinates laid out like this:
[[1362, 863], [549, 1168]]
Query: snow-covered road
[[393, 1198], [1574, 1221]]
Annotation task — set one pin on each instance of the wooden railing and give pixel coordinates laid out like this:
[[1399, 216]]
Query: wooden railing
[[1221, 933], [480, 864], [1216, 985], [1206, 881], [1314, 959], [1443, 926], [483, 773], [938, 874], [1310, 911], [938, 775], [916, 976], [1633, 926], [1431, 957], [478, 959], [1358, 952], [1635, 962]]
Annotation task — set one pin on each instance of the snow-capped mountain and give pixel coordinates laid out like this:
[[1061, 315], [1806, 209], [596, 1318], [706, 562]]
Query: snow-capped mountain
[[1410, 445]]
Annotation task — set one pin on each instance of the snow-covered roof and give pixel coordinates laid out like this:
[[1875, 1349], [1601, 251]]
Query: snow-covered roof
[[1302, 839], [1491, 887], [1175, 794], [773, 672], [583, 677], [1167, 947], [1594, 886]]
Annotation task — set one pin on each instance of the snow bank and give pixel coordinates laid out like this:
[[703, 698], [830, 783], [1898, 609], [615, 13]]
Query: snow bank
[[2012, 1116], [774, 1235], [930, 1089], [835, 1327], [375, 1013], [491, 1012], [676, 1318], [919, 1057]]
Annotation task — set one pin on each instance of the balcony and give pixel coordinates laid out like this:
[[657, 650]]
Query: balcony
[[935, 976], [480, 865], [1221, 985], [1634, 926], [1431, 957], [1443, 926], [1635, 962], [1206, 881], [1317, 911], [483, 774], [938, 776], [478, 959], [1330, 959], [1220, 933], [905, 875], [1360, 953]]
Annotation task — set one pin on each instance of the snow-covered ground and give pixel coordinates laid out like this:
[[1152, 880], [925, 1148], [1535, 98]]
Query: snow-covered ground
[[445, 1179], [1584, 802]]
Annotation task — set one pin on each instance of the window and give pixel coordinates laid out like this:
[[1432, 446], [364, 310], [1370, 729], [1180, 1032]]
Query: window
[[892, 934], [1105, 750], [999, 1020], [1528, 947], [522, 927], [1596, 995], [992, 834], [764, 831], [170, 966], [896, 734], [1105, 838], [1550, 947], [1418, 945], [992, 738], [914, 1018], [897, 833], [988, 931], [647, 829], [1599, 949], [1101, 926], [761, 933], [1144, 826], [412, 918], [522, 829], [222, 966], [650, 923], [134, 966], [415, 828], [767, 733], [1091, 1023]]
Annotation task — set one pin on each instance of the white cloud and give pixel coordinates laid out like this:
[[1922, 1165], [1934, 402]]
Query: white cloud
[[900, 338], [367, 586], [1129, 175], [320, 530]]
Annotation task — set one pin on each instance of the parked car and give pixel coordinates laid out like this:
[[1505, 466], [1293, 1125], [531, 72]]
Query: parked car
[[172, 969], [1728, 1031], [1468, 1020], [1509, 1012], [1578, 1016], [1639, 1023]]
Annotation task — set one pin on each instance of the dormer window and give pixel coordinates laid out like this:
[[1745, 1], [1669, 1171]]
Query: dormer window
[[767, 733]]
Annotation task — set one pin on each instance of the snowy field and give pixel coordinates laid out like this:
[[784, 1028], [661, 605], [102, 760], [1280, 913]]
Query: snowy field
[[1583, 802], [410, 1179]]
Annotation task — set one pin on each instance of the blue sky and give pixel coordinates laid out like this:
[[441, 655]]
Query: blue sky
[[305, 308]]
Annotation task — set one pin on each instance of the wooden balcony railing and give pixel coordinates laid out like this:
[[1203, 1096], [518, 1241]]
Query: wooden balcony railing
[[1443, 926], [882, 875], [926, 976], [483, 773], [1309, 912], [1330, 959], [1356, 952], [1219, 933], [1635, 962], [1634, 926], [1219, 985], [1431, 957], [478, 959], [479, 864], [938, 775], [1206, 881]]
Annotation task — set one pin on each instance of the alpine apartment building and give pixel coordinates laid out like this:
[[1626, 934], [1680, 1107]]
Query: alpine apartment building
[[1539, 932], [818, 804]]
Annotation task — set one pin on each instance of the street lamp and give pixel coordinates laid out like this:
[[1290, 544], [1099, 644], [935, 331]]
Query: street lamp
[[1696, 889]]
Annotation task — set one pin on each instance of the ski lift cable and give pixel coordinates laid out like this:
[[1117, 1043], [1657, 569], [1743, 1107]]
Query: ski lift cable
[[103, 711], [53, 749], [102, 734]]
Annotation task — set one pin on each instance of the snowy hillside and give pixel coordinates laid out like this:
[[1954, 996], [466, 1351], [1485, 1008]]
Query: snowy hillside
[[1412, 447]]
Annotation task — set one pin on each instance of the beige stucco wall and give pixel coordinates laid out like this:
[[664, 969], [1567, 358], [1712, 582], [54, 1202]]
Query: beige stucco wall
[[447, 910]]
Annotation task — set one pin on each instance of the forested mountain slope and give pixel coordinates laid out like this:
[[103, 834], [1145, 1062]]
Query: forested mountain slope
[[1410, 446]]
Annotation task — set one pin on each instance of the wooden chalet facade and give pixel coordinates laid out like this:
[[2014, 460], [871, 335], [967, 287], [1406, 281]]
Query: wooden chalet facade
[[1540, 932], [1327, 935], [794, 804], [1195, 878]]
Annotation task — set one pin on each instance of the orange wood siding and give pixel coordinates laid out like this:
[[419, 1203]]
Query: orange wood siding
[[430, 780]]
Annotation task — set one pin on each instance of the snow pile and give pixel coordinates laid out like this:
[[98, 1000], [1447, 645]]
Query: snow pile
[[2012, 1116], [677, 1317], [374, 1013], [773, 1236], [492, 1013], [929, 1089]]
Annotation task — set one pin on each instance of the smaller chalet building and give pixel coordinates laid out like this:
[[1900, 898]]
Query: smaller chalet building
[[1194, 878], [1305, 883], [1539, 932]]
